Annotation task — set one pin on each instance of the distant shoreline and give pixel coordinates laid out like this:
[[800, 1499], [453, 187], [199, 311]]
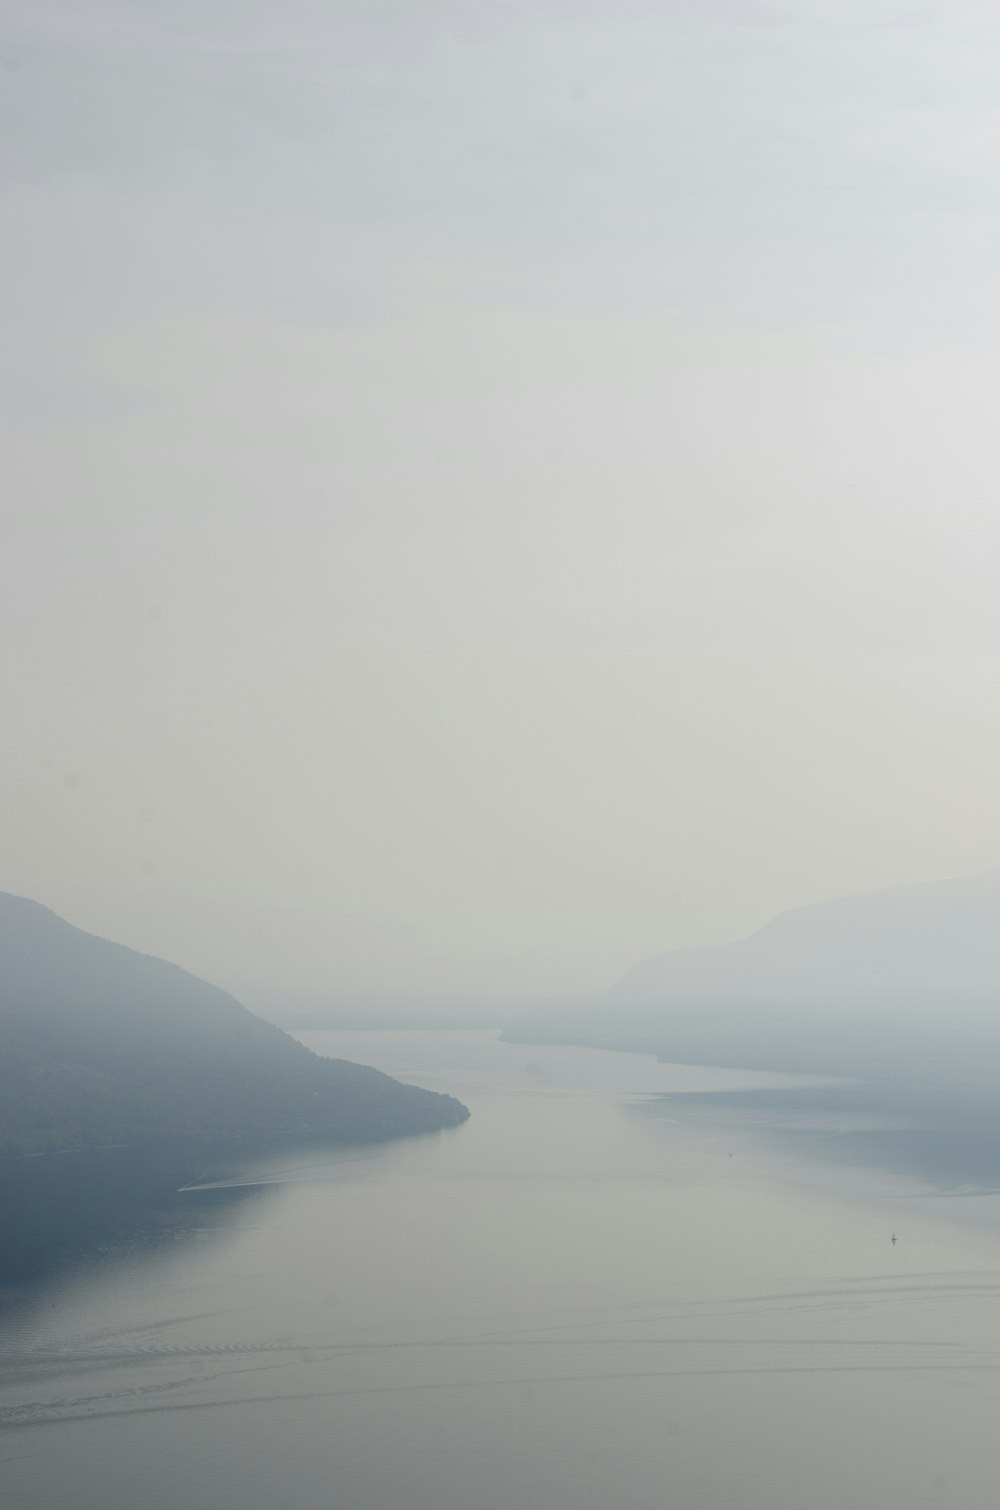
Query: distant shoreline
[[388, 1022]]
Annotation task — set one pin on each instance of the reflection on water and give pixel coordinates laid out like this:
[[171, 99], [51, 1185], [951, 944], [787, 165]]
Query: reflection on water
[[69, 1209], [581, 1298], [946, 1135], [78, 1209]]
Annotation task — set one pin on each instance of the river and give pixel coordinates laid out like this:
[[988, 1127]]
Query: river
[[583, 1298]]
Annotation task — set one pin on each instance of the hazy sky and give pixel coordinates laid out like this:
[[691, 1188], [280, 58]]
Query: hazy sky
[[493, 491]]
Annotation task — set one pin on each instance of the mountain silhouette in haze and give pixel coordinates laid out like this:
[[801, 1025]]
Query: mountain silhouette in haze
[[940, 936], [100, 1045], [904, 978]]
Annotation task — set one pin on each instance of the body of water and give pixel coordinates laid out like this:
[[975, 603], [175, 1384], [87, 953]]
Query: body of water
[[596, 1293]]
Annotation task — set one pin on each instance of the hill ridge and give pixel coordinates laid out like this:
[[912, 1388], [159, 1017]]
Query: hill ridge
[[101, 1044]]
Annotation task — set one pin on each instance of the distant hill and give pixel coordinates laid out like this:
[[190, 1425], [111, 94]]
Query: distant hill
[[904, 978], [940, 936], [100, 1045]]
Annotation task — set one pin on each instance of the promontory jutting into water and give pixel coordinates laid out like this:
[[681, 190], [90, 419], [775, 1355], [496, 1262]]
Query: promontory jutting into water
[[591, 1293], [499, 629]]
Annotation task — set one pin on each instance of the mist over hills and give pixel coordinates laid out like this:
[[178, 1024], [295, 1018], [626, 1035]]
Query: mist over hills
[[100, 1045], [906, 979], [938, 936]]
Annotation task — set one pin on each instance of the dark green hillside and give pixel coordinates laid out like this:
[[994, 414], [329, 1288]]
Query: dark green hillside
[[101, 1045]]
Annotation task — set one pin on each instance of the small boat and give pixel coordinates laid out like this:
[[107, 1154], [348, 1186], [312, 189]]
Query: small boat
[[893, 1239]]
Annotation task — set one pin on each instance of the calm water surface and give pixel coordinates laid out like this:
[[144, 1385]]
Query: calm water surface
[[581, 1299]]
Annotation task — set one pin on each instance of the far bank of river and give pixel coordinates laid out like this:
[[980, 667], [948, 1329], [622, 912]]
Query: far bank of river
[[612, 1285]]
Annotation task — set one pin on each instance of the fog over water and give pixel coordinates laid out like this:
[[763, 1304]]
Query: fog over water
[[499, 528], [586, 1295]]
